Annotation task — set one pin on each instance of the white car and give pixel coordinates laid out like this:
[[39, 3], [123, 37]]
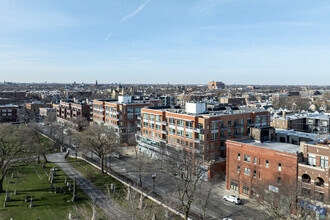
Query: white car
[[233, 199], [116, 155]]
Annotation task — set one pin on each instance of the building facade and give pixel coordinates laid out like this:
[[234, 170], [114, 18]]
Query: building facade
[[121, 114], [318, 123], [8, 113], [73, 110], [33, 108], [216, 85], [314, 174], [252, 165], [196, 130]]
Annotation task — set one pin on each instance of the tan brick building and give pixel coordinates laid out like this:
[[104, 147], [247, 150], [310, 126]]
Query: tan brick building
[[314, 174], [34, 107]]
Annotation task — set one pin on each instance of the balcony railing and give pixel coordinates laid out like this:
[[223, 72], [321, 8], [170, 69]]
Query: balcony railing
[[199, 130], [196, 140]]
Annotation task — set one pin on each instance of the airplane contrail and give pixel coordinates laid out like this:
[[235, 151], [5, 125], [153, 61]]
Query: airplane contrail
[[108, 36], [130, 15]]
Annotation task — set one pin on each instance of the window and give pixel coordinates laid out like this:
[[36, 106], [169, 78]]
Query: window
[[255, 161], [246, 190], [324, 161], [247, 158], [247, 171], [279, 167], [254, 173], [238, 156], [311, 160], [279, 180], [234, 186], [267, 163], [229, 123], [238, 169], [229, 133], [9, 110], [9, 114]]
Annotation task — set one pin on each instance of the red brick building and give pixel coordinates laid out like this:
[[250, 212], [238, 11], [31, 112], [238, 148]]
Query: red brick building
[[121, 114], [71, 110], [8, 113], [253, 164], [196, 130]]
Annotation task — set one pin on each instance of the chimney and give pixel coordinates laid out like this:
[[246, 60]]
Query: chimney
[[283, 114]]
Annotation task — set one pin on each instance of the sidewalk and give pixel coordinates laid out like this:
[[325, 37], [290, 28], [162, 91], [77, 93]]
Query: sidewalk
[[100, 199]]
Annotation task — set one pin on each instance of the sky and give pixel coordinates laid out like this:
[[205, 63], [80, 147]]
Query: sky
[[166, 41]]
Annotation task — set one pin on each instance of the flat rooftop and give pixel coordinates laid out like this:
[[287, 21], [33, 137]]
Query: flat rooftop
[[273, 145]]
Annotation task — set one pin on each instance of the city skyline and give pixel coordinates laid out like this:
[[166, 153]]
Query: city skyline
[[156, 42]]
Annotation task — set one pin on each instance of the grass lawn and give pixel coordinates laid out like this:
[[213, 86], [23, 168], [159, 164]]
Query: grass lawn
[[33, 181], [103, 180]]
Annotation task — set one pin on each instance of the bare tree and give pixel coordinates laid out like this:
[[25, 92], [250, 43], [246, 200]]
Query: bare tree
[[187, 173], [280, 199], [15, 145], [41, 146], [204, 193], [80, 123], [100, 140], [142, 163]]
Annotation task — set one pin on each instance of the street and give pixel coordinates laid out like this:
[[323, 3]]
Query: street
[[164, 185]]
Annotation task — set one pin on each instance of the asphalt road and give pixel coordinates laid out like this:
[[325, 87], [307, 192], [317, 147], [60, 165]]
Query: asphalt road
[[165, 186]]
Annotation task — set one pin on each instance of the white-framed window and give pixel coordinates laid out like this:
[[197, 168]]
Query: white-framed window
[[279, 167], [267, 163], [238, 169], [311, 160], [247, 158], [9, 110], [247, 171], [238, 156], [255, 160], [254, 173], [324, 162]]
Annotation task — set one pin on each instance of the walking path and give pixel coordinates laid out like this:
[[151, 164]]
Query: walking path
[[109, 207]]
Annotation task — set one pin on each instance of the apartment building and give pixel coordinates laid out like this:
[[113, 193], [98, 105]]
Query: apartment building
[[121, 114], [296, 122], [253, 165], [314, 174], [34, 107], [8, 113], [294, 137], [45, 112], [196, 130], [72, 109], [216, 85], [318, 123]]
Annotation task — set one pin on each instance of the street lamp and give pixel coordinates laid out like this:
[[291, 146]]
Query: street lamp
[[153, 181]]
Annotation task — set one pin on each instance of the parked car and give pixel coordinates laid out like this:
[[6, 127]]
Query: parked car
[[117, 155], [233, 199]]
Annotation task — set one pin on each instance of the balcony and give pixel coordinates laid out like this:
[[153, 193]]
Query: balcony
[[199, 130], [196, 140]]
